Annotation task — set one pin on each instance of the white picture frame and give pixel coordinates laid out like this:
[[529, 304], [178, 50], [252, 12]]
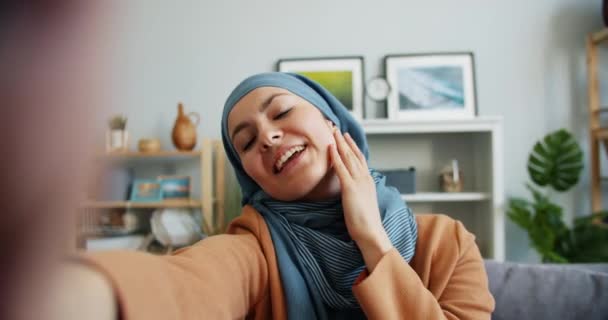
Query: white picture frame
[[433, 86], [342, 76]]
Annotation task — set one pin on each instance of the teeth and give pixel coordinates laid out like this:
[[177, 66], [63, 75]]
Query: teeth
[[287, 155]]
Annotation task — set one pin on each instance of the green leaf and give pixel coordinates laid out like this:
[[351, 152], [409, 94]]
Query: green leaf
[[587, 241], [556, 160], [518, 212], [540, 150]]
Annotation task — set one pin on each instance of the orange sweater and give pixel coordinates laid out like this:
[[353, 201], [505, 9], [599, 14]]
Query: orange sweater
[[236, 275]]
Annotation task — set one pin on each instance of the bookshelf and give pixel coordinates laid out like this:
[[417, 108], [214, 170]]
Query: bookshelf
[[428, 146], [205, 167]]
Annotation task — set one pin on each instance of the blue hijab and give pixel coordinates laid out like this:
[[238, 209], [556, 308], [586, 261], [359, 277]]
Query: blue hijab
[[318, 261]]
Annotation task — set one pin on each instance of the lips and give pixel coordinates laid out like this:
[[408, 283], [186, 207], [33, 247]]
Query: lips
[[285, 155]]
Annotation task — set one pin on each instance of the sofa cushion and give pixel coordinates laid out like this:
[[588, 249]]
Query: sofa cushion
[[548, 291]]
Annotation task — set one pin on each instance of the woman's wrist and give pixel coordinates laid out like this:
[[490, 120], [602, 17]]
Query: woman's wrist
[[373, 247]]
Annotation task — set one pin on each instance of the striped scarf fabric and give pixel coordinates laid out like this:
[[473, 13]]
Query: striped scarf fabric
[[323, 247]]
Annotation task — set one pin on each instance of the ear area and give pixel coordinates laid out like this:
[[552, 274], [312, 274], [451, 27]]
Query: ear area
[[330, 124]]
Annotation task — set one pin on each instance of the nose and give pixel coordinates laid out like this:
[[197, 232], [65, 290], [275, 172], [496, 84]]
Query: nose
[[269, 136]]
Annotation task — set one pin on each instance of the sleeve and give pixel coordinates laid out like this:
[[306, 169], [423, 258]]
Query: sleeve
[[394, 290], [221, 277]]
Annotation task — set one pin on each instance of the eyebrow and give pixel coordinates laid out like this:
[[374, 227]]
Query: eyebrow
[[263, 107]]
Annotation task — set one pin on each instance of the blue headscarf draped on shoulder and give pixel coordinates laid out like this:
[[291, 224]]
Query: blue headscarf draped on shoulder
[[318, 261]]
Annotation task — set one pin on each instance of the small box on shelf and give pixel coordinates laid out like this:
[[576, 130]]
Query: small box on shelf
[[402, 179]]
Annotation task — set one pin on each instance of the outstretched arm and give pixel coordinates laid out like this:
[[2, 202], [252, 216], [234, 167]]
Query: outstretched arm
[[221, 277], [79, 291]]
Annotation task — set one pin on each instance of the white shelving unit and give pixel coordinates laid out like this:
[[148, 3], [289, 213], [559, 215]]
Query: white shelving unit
[[445, 197], [430, 145]]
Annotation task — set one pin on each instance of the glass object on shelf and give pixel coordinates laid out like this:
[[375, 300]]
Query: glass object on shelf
[[450, 178]]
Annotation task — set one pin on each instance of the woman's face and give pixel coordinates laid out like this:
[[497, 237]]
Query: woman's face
[[282, 141]]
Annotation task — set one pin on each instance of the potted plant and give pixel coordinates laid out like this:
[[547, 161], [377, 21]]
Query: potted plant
[[555, 164], [117, 137]]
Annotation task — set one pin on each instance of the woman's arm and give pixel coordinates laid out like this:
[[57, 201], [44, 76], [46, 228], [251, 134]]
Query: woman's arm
[[373, 247], [457, 290], [81, 292], [221, 277]]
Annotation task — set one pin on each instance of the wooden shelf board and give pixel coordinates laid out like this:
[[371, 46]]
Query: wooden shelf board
[[599, 36], [131, 204], [385, 126], [445, 196], [601, 109], [601, 133], [151, 155]]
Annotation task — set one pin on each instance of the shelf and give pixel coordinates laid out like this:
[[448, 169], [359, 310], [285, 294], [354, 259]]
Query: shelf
[[384, 126], [601, 133], [130, 204], [601, 109], [168, 155], [599, 36], [445, 196]]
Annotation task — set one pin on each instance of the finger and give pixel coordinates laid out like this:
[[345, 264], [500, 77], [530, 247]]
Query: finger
[[341, 170], [346, 154], [355, 149]]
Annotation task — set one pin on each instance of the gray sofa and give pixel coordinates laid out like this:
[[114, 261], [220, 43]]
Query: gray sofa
[[548, 291]]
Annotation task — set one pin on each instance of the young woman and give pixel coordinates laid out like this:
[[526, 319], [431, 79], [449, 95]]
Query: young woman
[[320, 236]]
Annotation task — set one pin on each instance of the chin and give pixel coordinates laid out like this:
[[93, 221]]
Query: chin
[[294, 191], [290, 193], [323, 187]]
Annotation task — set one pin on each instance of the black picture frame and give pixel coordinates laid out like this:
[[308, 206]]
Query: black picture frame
[[334, 73], [427, 86]]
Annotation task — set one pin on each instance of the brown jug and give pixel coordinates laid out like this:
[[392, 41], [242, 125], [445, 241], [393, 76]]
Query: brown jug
[[184, 130]]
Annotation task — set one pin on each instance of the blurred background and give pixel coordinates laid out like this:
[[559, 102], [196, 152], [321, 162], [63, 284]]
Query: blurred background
[[111, 117], [529, 63]]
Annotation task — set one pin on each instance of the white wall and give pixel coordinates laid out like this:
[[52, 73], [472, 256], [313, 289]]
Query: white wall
[[529, 55]]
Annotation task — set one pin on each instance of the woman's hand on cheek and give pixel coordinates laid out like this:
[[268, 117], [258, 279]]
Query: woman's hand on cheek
[[359, 201]]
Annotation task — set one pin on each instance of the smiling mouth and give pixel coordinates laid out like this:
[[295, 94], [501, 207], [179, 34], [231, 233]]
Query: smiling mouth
[[286, 158]]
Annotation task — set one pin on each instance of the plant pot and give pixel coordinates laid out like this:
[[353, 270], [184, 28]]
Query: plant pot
[[117, 140]]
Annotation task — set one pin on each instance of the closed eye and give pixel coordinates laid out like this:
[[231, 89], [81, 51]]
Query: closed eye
[[282, 114], [277, 117], [249, 144]]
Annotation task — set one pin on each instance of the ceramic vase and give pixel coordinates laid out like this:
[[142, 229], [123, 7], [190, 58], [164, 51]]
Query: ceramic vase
[[184, 129]]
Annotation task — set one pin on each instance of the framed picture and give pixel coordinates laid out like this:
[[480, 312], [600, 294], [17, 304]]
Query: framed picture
[[342, 76], [175, 187], [146, 190], [437, 86]]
